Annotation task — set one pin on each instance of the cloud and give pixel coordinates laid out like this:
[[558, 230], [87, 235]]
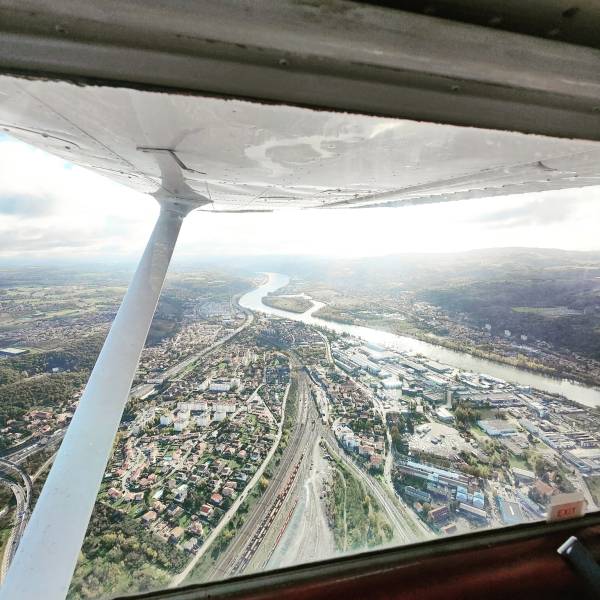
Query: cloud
[[52, 209], [26, 206], [49, 206], [538, 209], [35, 239]]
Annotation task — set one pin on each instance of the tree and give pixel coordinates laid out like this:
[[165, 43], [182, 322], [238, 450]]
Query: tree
[[398, 440], [541, 466], [465, 416]]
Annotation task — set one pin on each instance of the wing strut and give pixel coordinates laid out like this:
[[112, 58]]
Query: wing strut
[[45, 560]]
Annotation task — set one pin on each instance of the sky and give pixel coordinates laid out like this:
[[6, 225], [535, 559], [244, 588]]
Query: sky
[[53, 210]]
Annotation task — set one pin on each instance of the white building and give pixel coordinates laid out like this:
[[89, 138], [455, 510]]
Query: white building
[[219, 415], [444, 415], [223, 385], [203, 419], [180, 423], [196, 405], [391, 383]]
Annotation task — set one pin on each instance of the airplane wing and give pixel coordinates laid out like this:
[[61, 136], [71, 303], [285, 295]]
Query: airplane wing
[[239, 156]]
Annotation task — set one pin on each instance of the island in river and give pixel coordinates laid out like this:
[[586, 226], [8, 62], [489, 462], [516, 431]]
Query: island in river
[[294, 304]]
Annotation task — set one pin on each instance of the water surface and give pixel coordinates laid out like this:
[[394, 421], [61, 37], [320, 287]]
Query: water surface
[[582, 394]]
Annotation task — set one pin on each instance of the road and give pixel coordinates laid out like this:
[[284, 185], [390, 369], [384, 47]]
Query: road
[[328, 354], [23, 494], [9, 471], [286, 523], [19, 524], [407, 527], [180, 577], [143, 389], [18, 456]]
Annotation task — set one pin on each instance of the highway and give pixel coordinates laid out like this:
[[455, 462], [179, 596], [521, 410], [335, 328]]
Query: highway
[[18, 456], [10, 470], [18, 527], [23, 494]]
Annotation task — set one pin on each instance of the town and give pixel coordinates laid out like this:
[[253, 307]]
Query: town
[[234, 414]]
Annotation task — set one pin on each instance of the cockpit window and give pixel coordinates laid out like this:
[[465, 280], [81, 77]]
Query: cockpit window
[[406, 348]]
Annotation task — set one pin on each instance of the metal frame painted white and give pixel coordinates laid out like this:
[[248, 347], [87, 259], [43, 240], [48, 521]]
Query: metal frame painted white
[[48, 552], [337, 55]]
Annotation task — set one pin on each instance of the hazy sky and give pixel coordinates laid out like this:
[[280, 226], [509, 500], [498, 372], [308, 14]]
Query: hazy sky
[[50, 208]]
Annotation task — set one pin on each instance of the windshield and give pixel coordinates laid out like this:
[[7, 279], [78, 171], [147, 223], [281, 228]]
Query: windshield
[[314, 383]]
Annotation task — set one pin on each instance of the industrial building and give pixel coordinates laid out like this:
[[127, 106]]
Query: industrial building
[[497, 427]]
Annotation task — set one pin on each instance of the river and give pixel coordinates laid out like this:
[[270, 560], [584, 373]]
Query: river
[[588, 396]]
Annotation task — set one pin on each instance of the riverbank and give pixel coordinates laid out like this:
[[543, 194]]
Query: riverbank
[[520, 361], [578, 393]]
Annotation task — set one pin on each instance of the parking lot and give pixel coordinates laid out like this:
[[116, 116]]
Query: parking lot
[[439, 439]]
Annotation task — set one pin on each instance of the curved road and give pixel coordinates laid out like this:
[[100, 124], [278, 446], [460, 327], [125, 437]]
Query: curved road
[[291, 474], [180, 577], [23, 494], [408, 528]]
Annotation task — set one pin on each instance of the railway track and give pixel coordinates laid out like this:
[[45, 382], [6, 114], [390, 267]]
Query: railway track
[[243, 554], [267, 522], [302, 431]]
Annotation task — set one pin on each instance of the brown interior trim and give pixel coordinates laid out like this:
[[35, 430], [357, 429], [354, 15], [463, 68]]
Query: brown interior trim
[[515, 562]]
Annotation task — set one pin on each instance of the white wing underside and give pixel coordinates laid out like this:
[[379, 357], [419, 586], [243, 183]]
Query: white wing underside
[[241, 156]]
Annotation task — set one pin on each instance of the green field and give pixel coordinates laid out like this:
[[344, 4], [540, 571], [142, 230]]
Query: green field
[[550, 312], [356, 518]]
